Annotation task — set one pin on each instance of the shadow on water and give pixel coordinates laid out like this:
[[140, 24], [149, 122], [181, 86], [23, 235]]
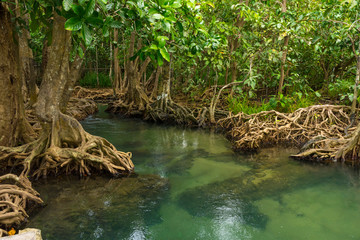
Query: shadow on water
[[271, 176], [99, 208]]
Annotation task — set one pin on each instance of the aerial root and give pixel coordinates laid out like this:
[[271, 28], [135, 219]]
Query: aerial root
[[249, 132]]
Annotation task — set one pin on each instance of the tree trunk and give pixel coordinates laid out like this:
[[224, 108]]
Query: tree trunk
[[26, 62], [284, 54], [117, 76], [63, 144], [111, 59], [166, 93], [97, 66], [353, 106], [14, 128], [135, 92]]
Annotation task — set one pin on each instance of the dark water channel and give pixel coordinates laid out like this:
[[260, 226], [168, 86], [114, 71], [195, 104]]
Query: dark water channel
[[190, 185]]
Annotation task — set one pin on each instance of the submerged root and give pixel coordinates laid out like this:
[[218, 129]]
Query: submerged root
[[67, 147], [15, 194], [249, 132]]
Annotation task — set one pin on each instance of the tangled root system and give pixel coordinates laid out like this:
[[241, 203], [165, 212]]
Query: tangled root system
[[15, 194], [249, 132]]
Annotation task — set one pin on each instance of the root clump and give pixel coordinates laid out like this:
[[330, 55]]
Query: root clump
[[16, 194], [249, 132]]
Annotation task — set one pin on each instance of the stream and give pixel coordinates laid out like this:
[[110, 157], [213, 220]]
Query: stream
[[189, 184]]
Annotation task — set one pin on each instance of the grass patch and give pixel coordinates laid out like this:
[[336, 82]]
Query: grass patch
[[282, 104]]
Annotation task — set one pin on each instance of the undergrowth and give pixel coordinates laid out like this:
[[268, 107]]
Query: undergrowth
[[279, 103], [89, 80]]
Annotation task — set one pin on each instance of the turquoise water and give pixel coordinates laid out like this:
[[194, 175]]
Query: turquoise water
[[191, 185]]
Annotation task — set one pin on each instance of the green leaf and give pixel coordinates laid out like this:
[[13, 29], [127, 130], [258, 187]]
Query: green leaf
[[80, 52], [67, 4], [106, 31], [153, 11], [176, 4], [180, 27], [210, 4], [90, 8], [82, 2], [171, 19], [103, 1], [165, 54], [162, 41], [154, 47], [94, 21], [160, 60], [86, 34], [103, 6], [79, 10], [157, 16], [73, 24]]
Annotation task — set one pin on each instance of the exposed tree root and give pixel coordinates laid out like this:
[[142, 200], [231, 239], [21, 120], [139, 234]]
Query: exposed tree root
[[15, 193], [343, 149], [81, 108], [129, 109], [249, 132], [77, 108], [175, 113], [95, 94], [67, 147]]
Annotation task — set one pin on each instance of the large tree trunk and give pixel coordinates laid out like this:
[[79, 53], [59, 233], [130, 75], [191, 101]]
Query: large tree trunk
[[135, 100], [26, 61], [63, 144], [14, 128]]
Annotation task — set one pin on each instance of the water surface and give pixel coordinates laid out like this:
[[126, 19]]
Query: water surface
[[190, 185]]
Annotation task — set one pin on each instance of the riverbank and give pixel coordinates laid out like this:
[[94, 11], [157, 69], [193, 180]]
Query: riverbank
[[309, 129]]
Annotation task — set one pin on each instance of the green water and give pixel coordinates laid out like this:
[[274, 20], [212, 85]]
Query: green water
[[190, 185]]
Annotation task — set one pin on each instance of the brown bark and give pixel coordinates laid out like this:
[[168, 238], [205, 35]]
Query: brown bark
[[117, 74], [14, 128], [135, 93], [165, 97], [284, 54], [63, 144], [354, 103], [156, 83], [357, 78]]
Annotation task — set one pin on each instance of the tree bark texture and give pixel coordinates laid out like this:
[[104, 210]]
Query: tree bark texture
[[14, 128]]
